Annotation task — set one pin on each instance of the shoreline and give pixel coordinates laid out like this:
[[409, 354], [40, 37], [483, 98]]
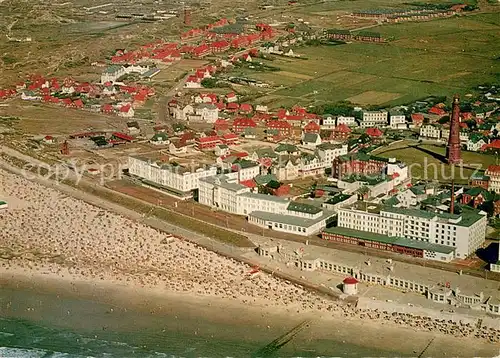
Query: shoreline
[[108, 251], [264, 323]]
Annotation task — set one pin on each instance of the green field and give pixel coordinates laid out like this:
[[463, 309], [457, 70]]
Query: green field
[[424, 162], [440, 57]]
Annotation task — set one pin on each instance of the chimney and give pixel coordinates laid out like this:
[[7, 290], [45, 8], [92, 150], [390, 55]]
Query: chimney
[[187, 16], [453, 153], [452, 204]]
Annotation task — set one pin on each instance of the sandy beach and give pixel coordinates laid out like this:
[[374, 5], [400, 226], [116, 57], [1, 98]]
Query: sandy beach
[[52, 242]]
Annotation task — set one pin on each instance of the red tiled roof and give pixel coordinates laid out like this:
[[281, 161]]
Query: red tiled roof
[[123, 136], [343, 128], [374, 132], [417, 117], [493, 169], [249, 183], [438, 111], [312, 126], [125, 108], [350, 281], [278, 125], [495, 144], [208, 139], [107, 108], [294, 118], [229, 136], [246, 107], [232, 105], [244, 122], [78, 103]]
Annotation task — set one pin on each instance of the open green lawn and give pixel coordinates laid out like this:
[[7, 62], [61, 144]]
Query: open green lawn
[[440, 57], [424, 165]]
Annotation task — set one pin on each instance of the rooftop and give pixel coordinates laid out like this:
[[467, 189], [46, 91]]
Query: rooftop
[[223, 181], [258, 196], [401, 241], [303, 208], [289, 219], [365, 206], [338, 199]]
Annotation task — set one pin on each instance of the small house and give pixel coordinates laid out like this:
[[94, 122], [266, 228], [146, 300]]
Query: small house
[[221, 150], [160, 138]]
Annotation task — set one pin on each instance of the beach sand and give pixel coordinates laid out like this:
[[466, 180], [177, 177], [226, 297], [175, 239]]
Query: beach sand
[[55, 243]]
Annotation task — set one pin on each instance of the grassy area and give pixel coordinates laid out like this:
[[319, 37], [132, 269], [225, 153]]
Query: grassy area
[[438, 57], [471, 159], [425, 166], [425, 161]]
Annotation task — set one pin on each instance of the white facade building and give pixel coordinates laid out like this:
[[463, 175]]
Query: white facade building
[[429, 131], [464, 232], [208, 112], [374, 119], [267, 211], [176, 177], [327, 152], [397, 121], [328, 121], [348, 121], [245, 171]]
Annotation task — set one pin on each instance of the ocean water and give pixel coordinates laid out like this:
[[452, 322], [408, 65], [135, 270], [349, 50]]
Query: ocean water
[[42, 325]]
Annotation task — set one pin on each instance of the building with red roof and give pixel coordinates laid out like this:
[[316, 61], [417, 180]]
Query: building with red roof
[[208, 142], [193, 82], [312, 127], [220, 46], [232, 107], [230, 139], [283, 128], [250, 183], [202, 51], [126, 111], [77, 103], [417, 119], [246, 108], [493, 146], [239, 124], [67, 101], [231, 97], [437, 111], [221, 125], [342, 131], [374, 132], [107, 108]]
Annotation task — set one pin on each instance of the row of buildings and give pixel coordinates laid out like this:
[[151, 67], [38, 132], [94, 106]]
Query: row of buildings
[[459, 291]]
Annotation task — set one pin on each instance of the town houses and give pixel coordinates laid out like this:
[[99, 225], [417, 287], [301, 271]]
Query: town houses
[[303, 169]]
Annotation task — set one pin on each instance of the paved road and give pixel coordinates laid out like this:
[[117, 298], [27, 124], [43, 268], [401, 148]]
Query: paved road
[[163, 114]]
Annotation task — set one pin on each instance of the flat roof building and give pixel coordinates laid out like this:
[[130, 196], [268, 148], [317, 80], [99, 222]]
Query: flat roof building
[[173, 178], [464, 232]]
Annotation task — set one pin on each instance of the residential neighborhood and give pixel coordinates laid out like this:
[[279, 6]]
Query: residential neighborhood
[[278, 142]]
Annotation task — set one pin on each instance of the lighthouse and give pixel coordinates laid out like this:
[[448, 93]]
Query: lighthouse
[[453, 154]]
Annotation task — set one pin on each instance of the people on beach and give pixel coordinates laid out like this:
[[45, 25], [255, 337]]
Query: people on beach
[[45, 232]]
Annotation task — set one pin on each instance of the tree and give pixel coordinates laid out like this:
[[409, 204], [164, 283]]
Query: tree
[[444, 120], [209, 82]]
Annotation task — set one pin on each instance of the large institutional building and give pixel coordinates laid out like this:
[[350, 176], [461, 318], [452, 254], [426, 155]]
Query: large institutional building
[[267, 211], [178, 179], [432, 232]]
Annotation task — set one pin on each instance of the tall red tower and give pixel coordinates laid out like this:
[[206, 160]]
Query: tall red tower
[[453, 154], [187, 16]]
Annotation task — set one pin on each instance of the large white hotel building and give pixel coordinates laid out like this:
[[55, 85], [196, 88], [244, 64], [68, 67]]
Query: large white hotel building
[[464, 232]]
